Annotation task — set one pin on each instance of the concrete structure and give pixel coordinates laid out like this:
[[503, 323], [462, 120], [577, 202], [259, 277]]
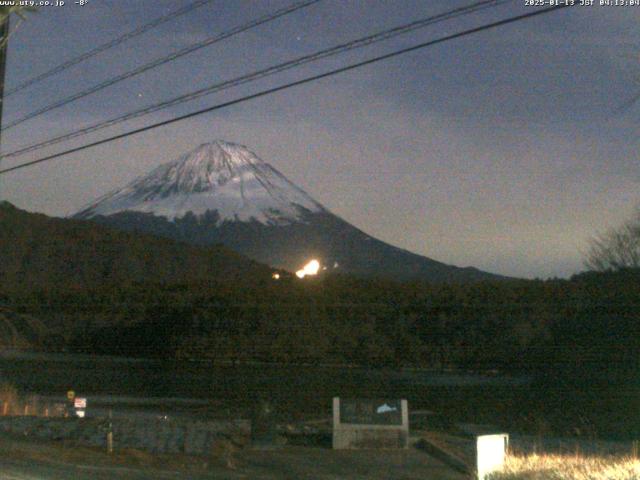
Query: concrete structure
[[370, 424]]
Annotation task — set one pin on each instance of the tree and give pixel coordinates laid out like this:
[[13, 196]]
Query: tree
[[5, 12], [616, 249]]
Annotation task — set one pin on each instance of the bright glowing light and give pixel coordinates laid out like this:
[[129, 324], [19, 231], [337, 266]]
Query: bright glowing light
[[276, 276], [310, 268]]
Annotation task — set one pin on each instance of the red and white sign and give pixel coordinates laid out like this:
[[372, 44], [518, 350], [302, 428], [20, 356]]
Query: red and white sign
[[80, 403]]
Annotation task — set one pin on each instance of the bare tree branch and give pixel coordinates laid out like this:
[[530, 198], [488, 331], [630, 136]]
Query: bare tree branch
[[616, 249]]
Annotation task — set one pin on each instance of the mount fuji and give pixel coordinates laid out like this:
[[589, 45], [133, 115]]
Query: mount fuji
[[222, 192]]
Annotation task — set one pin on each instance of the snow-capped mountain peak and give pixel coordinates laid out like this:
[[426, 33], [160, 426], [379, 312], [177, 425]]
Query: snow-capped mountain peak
[[218, 176]]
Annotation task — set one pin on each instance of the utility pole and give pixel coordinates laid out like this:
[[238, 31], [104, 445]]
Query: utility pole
[[4, 38]]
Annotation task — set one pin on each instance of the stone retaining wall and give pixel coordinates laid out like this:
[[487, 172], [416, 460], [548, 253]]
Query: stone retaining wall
[[154, 435]]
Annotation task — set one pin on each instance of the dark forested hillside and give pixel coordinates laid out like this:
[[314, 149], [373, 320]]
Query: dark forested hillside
[[119, 290], [21, 332], [43, 252], [322, 235], [108, 292]]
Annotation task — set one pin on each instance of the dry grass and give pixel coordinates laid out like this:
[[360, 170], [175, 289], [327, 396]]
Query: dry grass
[[9, 400], [569, 467], [12, 403], [58, 453]]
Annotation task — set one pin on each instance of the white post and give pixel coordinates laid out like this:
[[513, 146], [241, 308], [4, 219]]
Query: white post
[[491, 451], [110, 433], [337, 441]]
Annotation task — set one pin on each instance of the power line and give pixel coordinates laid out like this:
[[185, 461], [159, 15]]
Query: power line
[[166, 59], [106, 46], [216, 87], [290, 85]]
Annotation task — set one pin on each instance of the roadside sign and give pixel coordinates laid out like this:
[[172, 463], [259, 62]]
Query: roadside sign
[[370, 423], [80, 403]]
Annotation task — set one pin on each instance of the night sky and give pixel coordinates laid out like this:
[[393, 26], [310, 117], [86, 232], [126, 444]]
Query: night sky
[[505, 150]]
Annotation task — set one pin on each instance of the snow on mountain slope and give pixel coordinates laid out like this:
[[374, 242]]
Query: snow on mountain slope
[[218, 176]]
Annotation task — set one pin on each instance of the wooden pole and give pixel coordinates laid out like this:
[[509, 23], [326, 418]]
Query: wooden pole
[[110, 434], [4, 38]]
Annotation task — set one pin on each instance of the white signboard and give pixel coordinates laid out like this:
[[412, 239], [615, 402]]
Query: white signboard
[[491, 453], [80, 403]]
